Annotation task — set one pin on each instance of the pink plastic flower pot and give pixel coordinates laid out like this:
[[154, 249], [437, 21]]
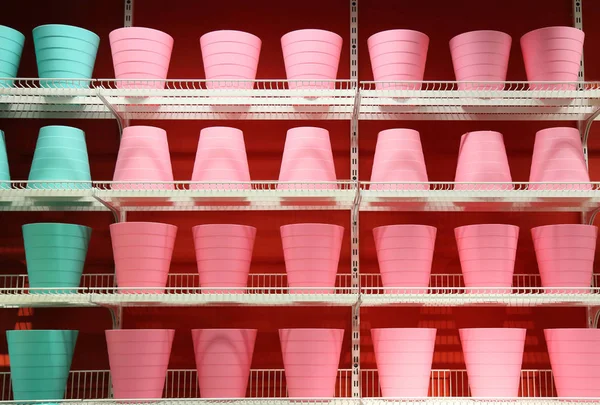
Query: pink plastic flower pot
[[399, 158], [221, 157], [311, 253], [307, 157], [574, 356], [138, 361], [404, 357], [487, 255], [223, 359], [307, 47], [311, 358], [142, 252], [475, 162], [223, 255], [493, 357], [565, 255], [480, 56], [143, 156], [140, 53], [229, 56], [405, 254], [398, 55], [545, 46], [558, 157]]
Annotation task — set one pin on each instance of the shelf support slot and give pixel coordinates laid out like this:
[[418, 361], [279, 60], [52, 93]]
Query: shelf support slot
[[128, 14]]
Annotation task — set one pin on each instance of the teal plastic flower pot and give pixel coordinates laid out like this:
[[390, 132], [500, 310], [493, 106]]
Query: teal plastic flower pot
[[11, 49], [55, 255], [4, 172], [55, 160], [40, 361], [61, 66]]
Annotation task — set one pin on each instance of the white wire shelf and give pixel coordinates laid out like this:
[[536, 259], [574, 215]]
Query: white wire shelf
[[449, 290], [447, 196], [176, 196], [183, 289], [177, 99], [495, 101], [271, 384]]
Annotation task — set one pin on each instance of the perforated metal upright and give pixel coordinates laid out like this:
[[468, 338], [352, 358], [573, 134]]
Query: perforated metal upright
[[354, 220]]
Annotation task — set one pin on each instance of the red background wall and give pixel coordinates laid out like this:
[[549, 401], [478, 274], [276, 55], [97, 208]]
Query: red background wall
[[186, 20]]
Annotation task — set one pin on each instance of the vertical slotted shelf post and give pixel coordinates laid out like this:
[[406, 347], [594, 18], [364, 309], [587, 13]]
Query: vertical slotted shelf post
[[354, 224]]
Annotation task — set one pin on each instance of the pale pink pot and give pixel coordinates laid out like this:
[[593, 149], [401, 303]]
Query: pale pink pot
[[398, 158], [404, 357], [139, 359], [480, 55], [398, 55], [126, 44], [558, 157], [307, 157], [142, 253], [405, 255], [493, 357], [565, 255], [487, 255], [312, 253], [307, 47], [311, 359], [482, 158], [574, 356], [223, 359], [221, 157], [223, 255], [143, 156], [545, 46]]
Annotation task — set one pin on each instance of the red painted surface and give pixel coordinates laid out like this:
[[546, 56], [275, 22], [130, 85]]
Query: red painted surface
[[186, 20]]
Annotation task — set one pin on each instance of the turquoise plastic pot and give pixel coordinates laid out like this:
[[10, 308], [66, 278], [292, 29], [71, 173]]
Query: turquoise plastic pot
[[40, 361], [58, 159], [62, 66], [4, 172], [11, 49], [55, 254]]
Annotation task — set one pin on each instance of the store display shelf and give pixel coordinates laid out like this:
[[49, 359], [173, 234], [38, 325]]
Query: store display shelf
[[478, 101], [182, 290], [449, 290], [177, 99], [479, 401], [444, 196], [176, 196]]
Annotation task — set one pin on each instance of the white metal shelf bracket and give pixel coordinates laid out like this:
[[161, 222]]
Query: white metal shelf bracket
[[117, 214], [121, 122], [116, 314]]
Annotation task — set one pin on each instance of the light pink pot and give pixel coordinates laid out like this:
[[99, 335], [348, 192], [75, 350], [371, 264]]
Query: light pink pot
[[574, 356], [487, 254], [398, 55], [223, 359], [398, 158], [125, 46], [311, 359], [307, 157], [139, 359], [405, 254], [143, 156], [142, 253], [307, 47], [544, 46], [493, 357], [404, 357], [480, 54], [474, 164], [221, 157], [558, 157], [311, 253], [230, 55], [565, 255], [223, 255]]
